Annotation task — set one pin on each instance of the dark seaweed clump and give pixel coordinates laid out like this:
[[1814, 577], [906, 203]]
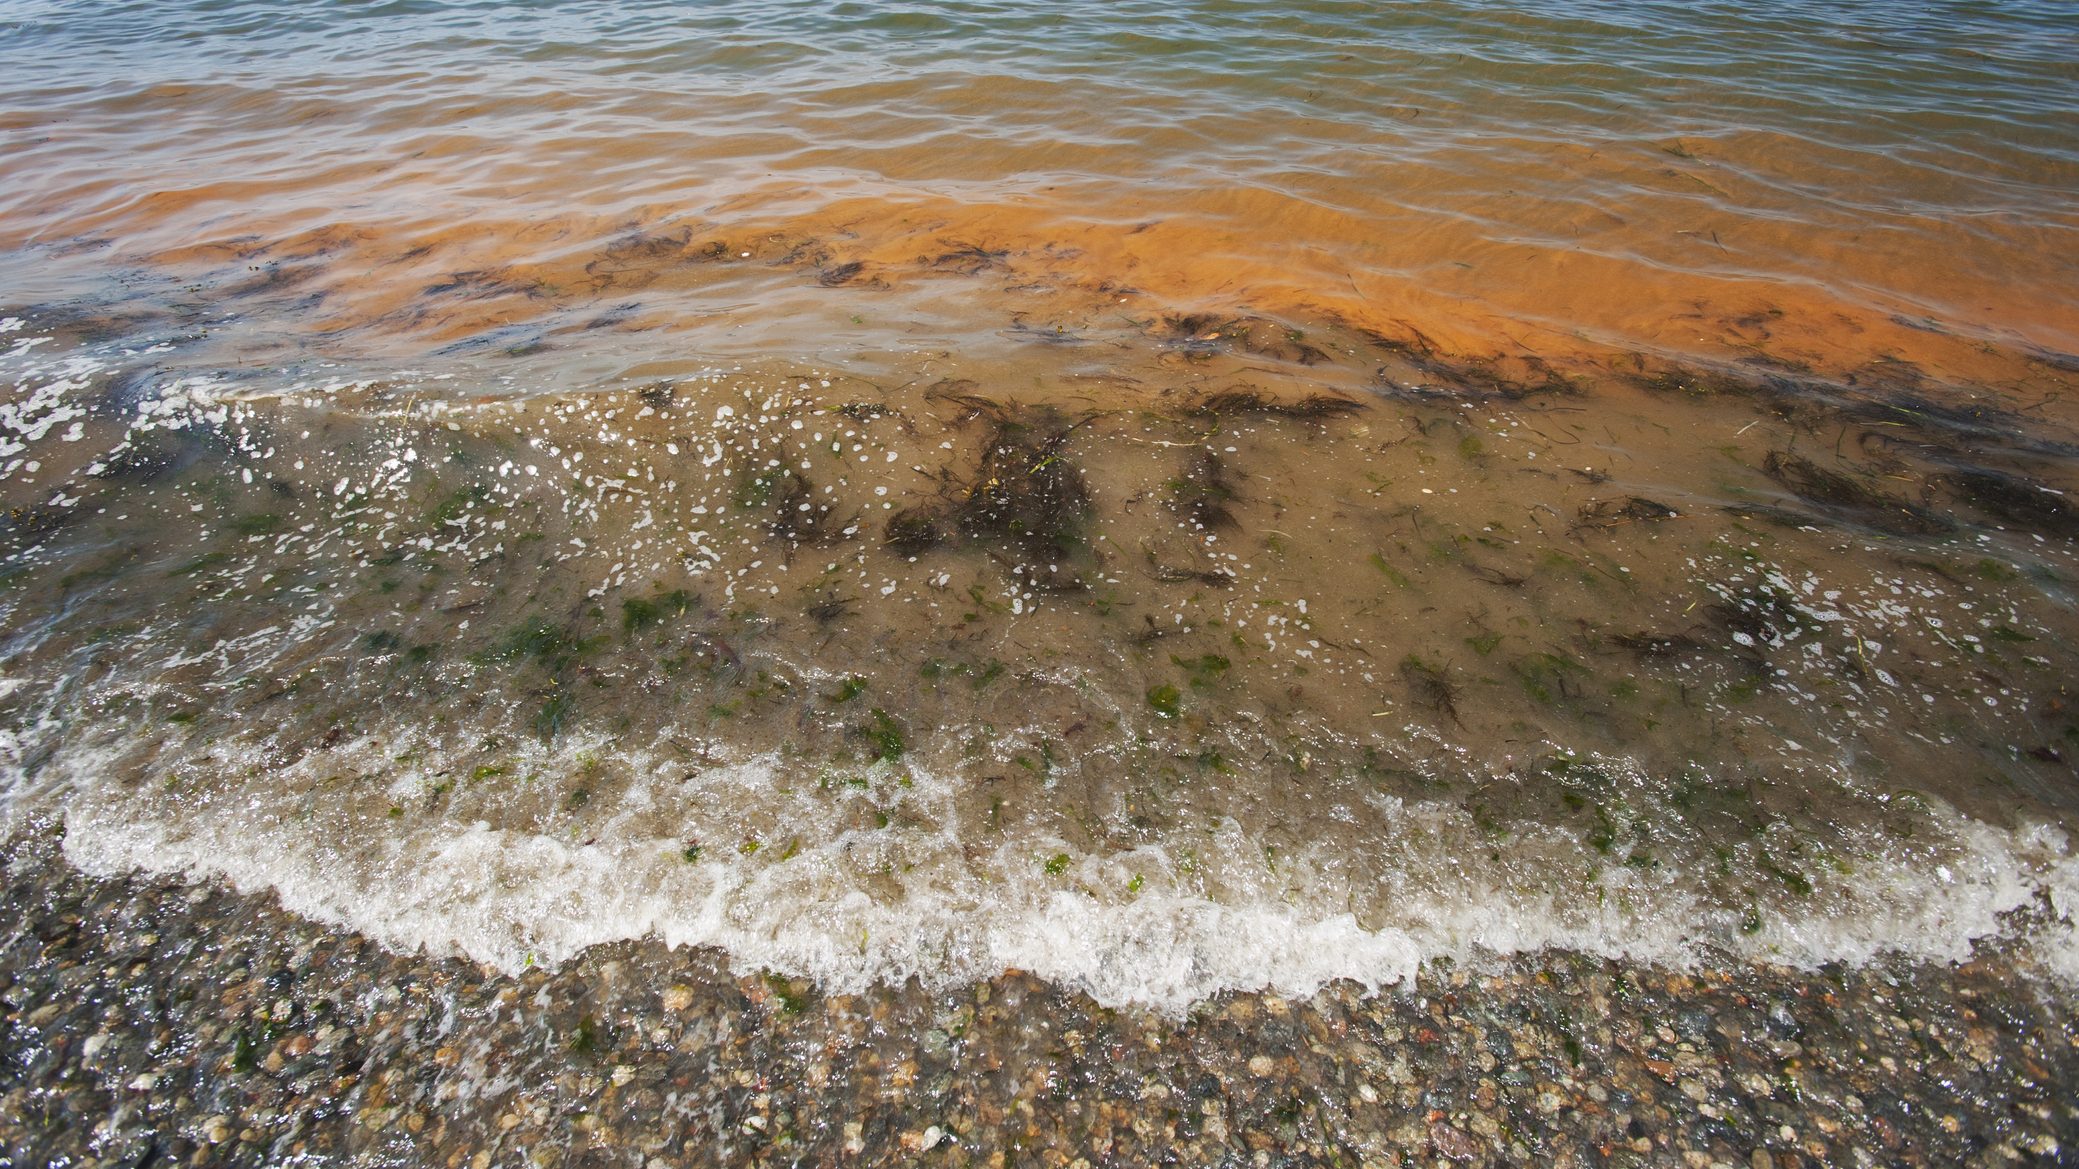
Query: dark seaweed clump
[[1965, 422], [970, 259], [1430, 687], [798, 515], [829, 607], [1476, 379], [839, 274], [1248, 400], [1902, 425], [1615, 513], [960, 392], [1203, 334], [1892, 397], [35, 521], [1849, 497], [145, 459], [914, 531], [1218, 576], [1027, 496], [1756, 617], [2016, 500]]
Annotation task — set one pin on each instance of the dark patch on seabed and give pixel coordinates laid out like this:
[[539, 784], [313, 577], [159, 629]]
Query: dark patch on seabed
[[260, 1038]]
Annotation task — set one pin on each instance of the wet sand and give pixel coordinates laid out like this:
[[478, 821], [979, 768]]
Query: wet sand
[[154, 1023]]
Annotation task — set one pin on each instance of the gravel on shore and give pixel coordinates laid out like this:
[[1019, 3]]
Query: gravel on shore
[[144, 1022]]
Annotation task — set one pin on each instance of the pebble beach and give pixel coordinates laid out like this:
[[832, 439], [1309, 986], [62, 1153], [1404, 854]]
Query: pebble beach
[[149, 1022]]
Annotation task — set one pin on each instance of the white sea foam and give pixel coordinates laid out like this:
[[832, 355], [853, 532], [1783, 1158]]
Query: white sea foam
[[510, 898]]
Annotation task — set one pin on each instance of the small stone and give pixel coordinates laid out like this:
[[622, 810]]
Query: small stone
[[678, 997], [1259, 1065], [1453, 1143]]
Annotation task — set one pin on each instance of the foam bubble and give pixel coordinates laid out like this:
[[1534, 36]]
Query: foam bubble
[[1127, 928]]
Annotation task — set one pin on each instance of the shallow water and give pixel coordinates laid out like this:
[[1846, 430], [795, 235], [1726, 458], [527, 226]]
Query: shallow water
[[1172, 500], [1531, 178]]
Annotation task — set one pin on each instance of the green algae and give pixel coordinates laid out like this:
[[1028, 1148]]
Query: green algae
[[1165, 699]]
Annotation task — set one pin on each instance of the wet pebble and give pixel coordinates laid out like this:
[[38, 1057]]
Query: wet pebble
[[273, 1040]]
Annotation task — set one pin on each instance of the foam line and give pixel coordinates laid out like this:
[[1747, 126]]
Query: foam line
[[510, 898]]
